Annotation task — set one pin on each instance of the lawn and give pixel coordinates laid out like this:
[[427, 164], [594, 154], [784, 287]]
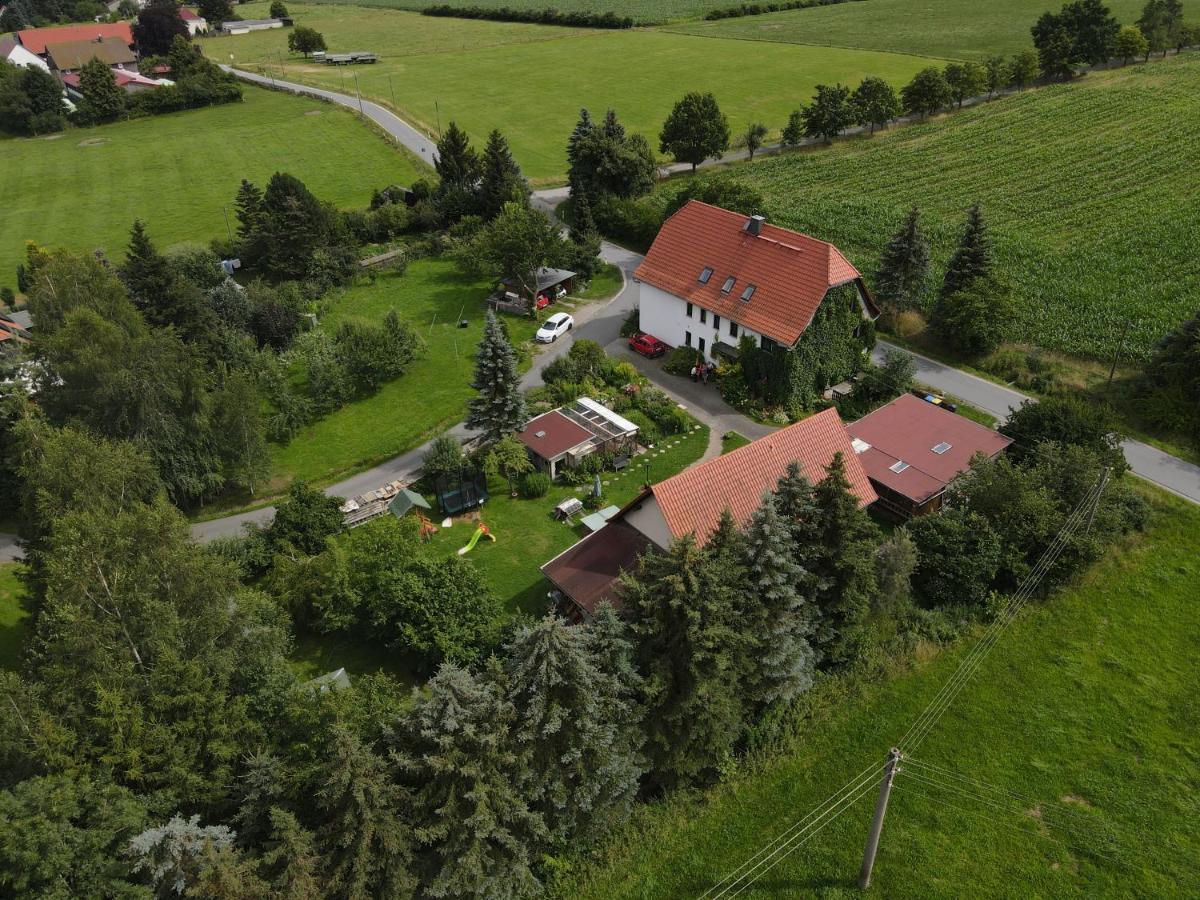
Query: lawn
[[533, 91], [1086, 709], [528, 535], [13, 625], [731, 440], [964, 29], [179, 172], [642, 11], [1089, 189]]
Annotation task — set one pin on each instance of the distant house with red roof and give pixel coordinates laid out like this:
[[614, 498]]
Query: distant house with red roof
[[713, 277], [912, 450], [35, 40], [195, 22], [562, 437], [692, 503]]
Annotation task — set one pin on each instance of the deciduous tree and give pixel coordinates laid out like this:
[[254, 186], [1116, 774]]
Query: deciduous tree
[[975, 319], [157, 25], [695, 130], [830, 113], [1130, 44], [103, 101], [793, 131], [1023, 69], [965, 79], [926, 93], [303, 39], [875, 103], [753, 137]]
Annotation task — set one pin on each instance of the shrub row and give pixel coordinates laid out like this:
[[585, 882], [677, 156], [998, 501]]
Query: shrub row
[[532, 16], [758, 9]]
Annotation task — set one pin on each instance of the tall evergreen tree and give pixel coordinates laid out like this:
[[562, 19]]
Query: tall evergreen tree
[[500, 407], [785, 620], [689, 649], [583, 224], [972, 258], [583, 771], [501, 179], [612, 648], [456, 748], [250, 214], [457, 162], [846, 539], [292, 865], [146, 273], [577, 177], [904, 266], [366, 840]]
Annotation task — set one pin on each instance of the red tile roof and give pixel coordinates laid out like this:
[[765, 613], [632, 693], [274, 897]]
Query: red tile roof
[[790, 272], [693, 500], [189, 15], [559, 434], [907, 429], [35, 39], [587, 571]]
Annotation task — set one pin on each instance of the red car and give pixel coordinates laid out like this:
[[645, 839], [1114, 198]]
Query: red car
[[647, 345]]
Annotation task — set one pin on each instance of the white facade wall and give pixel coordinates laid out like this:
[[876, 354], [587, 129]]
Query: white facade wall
[[648, 519], [665, 316]]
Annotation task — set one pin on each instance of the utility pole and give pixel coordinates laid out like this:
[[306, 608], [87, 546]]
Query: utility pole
[[391, 90], [881, 804], [358, 93], [1099, 493], [1120, 346], [227, 225], [438, 110]]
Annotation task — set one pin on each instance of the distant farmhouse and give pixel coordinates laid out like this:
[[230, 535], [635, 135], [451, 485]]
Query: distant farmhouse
[[245, 26], [195, 22], [715, 279], [692, 502], [14, 53]]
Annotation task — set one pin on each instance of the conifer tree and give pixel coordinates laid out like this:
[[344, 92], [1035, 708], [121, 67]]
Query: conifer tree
[[500, 407], [795, 501], [846, 542], [689, 643], [583, 225], [785, 618], [261, 789], [456, 748], [904, 266], [365, 837], [577, 177], [250, 215], [613, 650], [501, 179], [457, 162], [583, 770], [292, 865], [146, 273], [972, 258], [103, 100]]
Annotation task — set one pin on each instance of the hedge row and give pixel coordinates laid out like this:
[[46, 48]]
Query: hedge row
[[532, 16], [758, 9]]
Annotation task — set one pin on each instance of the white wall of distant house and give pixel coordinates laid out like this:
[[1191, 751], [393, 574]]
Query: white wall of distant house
[[648, 519], [665, 316], [19, 56]]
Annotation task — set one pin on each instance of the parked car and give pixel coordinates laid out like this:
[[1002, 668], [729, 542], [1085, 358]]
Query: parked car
[[647, 345], [553, 328]]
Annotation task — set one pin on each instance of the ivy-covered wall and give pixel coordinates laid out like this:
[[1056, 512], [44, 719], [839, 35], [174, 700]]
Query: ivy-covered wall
[[828, 352]]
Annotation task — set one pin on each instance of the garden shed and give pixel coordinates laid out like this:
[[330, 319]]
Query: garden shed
[[563, 437]]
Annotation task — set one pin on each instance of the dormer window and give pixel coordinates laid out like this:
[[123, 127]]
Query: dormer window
[[706, 274], [748, 292], [728, 285], [941, 448]]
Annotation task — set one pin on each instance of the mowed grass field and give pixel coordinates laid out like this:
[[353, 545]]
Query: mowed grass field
[[533, 90], [1089, 188], [962, 29], [641, 11], [1086, 709], [83, 189]]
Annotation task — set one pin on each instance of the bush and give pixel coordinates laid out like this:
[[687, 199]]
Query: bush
[[444, 457], [719, 190], [648, 432], [533, 16], [535, 484], [632, 223], [680, 361], [672, 420], [958, 555], [632, 324]]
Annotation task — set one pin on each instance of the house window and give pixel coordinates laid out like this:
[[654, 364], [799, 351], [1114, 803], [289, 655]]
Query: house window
[[748, 292], [703, 315], [700, 344], [689, 310], [716, 322], [898, 466], [687, 339], [728, 285], [706, 274], [767, 344], [733, 329], [942, 448]]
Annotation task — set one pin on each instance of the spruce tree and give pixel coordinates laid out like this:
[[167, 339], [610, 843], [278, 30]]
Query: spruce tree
[[583, 769], [292, 864], [579, 174], [501, 180], [904, 266], [612, 648], [785, 618], [500, 407], [456, 748], [583, 225], [261, 789], [972, 258], [846, 543], [146, 273], [457, 162], [249, 211], [795, 501], [689, 645], [365, 838]]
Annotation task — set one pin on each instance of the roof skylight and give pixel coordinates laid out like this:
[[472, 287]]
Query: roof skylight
[[728, 285], [898, 466], [706, 274], [748, 292], [941, 448]]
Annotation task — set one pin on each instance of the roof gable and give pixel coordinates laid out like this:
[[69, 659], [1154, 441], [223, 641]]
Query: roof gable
[[693, 500], [791, 272]]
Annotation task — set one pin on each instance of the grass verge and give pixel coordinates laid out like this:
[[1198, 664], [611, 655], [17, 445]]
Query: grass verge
[[13, 617]]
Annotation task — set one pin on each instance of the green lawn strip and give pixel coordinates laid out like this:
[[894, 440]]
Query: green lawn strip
[[963, 29], [533, 91], [528, 535], [731, 440], [316, 654], [606, 283], [13, 624], [1086, 704], [179, 173], [641, 11], [1073, 180]]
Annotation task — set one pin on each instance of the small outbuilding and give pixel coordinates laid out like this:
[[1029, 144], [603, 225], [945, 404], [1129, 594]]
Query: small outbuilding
[[563, 437]]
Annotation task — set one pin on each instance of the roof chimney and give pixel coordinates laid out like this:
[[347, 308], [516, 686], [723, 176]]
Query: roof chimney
[[754, 226]]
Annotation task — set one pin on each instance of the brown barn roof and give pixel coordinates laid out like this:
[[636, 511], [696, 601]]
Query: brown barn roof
[[552, 434], [588, 571], [74, 54], [35, 39], [902, 436], [790, 272], [693, 500]]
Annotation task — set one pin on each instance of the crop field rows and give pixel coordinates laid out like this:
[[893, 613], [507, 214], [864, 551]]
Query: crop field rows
[[1089, 189]]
